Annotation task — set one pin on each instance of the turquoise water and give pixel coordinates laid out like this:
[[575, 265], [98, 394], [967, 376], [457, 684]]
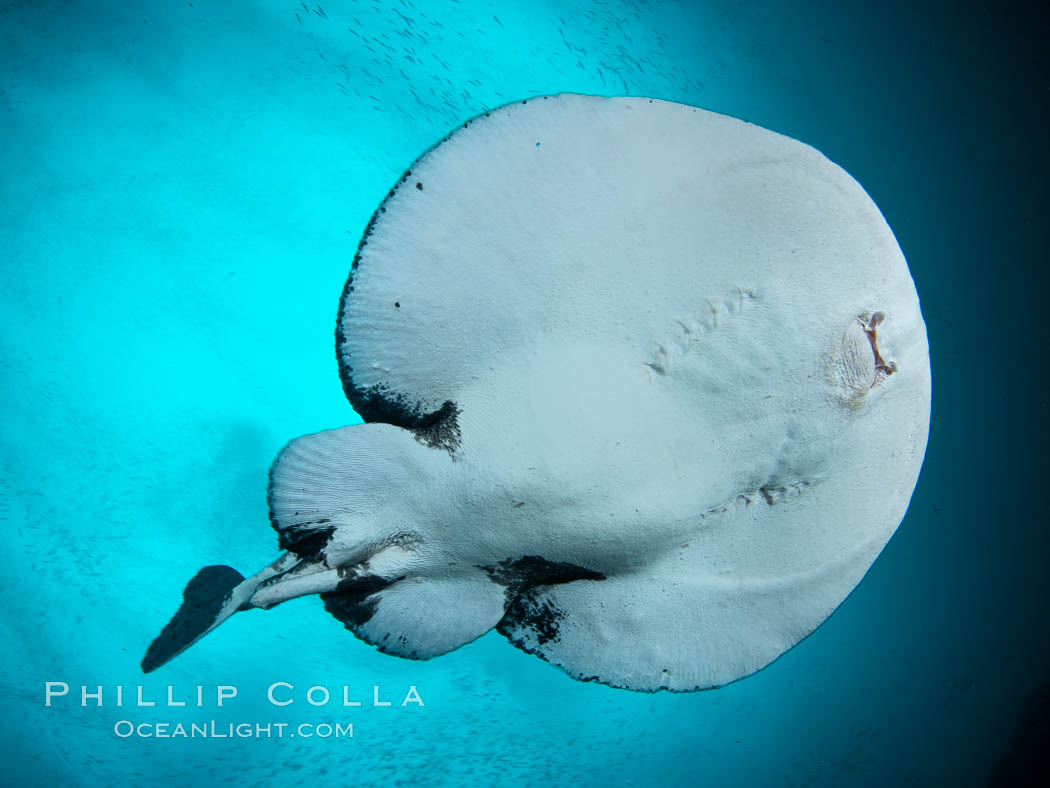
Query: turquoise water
[[183, 188]]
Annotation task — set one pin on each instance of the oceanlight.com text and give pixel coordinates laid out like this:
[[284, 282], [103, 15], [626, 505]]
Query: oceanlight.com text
[[126, 729]]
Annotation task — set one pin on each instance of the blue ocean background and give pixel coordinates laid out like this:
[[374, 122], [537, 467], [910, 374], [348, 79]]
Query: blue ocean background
[[182, 188]]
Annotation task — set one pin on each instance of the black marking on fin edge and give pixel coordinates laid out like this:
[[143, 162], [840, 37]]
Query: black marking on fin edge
[[440, 429], [528, 612], [306, 539], [525, 610], [202, 601], [306, 542], [379, 403]]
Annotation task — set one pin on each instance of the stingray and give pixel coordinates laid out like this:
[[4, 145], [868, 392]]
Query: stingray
[[645, 389]]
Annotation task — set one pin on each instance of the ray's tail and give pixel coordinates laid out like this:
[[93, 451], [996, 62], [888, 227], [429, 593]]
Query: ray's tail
[[206, 602], [214, 594]]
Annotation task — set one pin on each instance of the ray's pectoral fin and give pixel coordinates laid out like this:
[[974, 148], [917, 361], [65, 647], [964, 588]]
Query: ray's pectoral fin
[[417, 617], [424, 616]]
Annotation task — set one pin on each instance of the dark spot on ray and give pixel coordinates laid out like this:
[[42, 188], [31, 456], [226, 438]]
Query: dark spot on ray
[[351, 602], [530, 571], [397, 304], [437, 429], [307, 543], [419, 185], [526, 610], [306, 539], [440, 429]]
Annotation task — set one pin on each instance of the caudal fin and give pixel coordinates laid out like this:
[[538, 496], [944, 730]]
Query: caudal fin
[[207, 601]]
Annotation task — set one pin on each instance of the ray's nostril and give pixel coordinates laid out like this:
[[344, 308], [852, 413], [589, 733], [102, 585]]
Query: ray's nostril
[[882, 365], [861, 364]]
